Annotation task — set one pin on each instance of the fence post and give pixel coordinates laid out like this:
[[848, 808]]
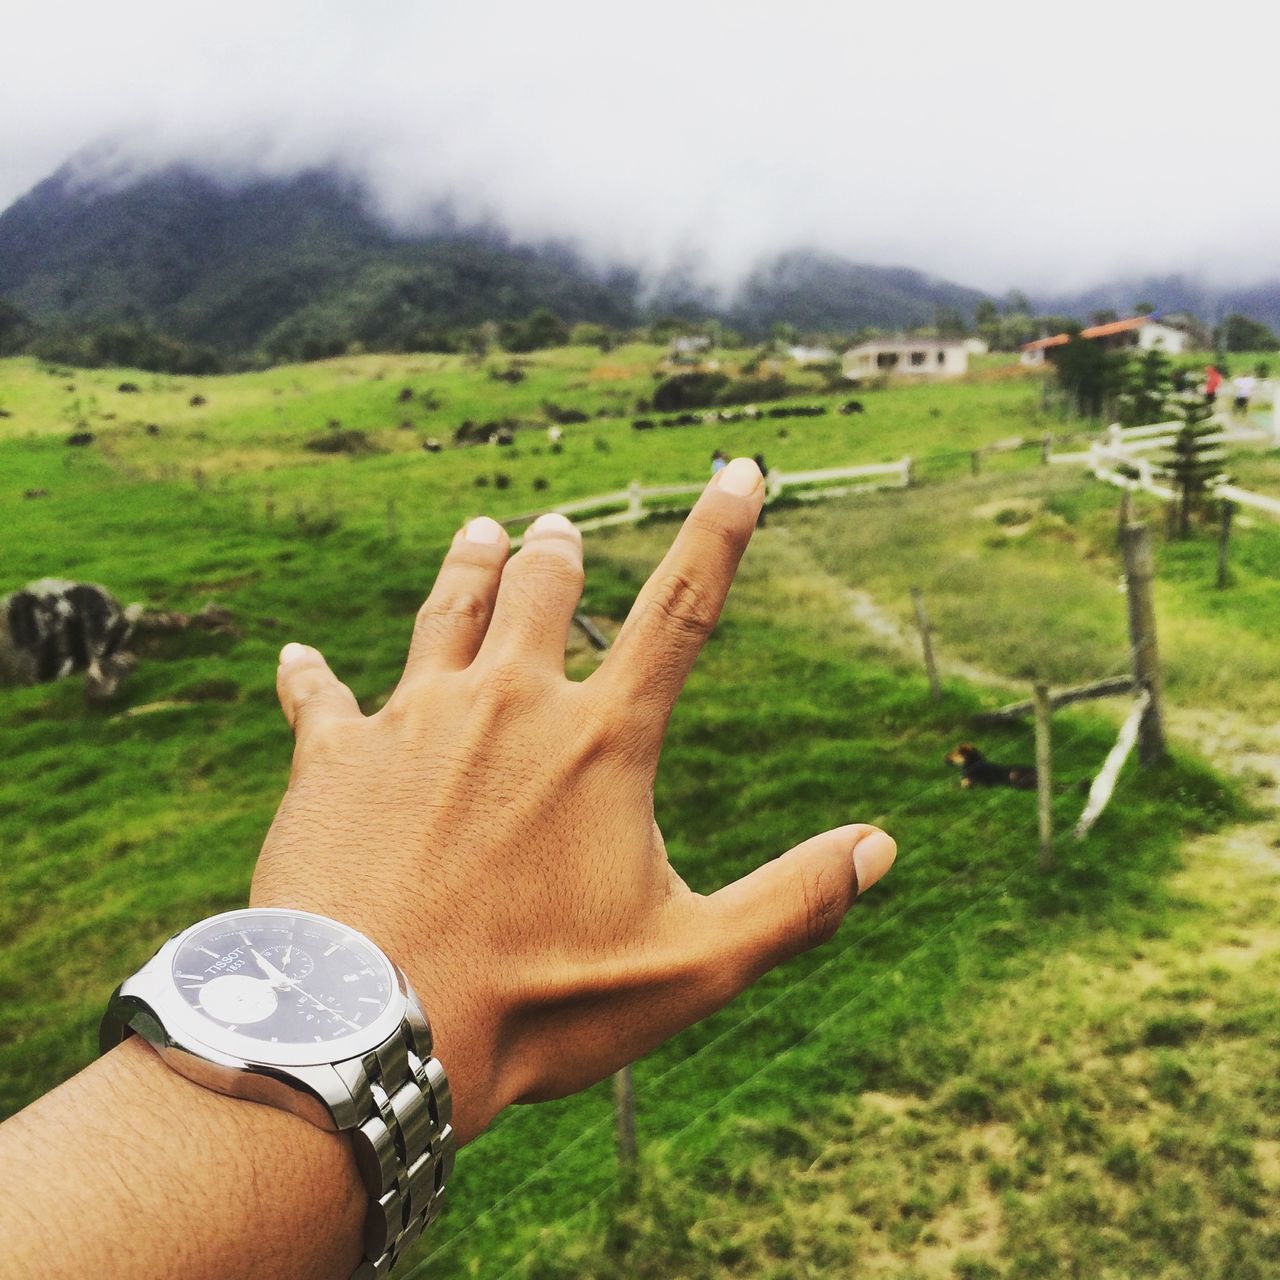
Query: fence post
[[1139, 569], [1046, 450], [1044, 775], [634, 506], [1226, 509], [926, 643], [907, 476], [624, 1117]]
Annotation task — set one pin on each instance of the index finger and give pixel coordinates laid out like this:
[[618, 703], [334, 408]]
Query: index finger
[[678, 607]]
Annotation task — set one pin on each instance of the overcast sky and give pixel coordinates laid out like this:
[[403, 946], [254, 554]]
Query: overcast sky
[[999, 144]]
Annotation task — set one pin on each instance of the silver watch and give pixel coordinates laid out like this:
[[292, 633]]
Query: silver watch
[[303, 1013]]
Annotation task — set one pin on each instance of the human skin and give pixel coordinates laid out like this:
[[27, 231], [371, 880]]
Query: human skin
[[492, 829]]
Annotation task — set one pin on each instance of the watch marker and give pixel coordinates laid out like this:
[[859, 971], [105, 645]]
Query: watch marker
[[368, 1000], [332, 949], [207, 952]]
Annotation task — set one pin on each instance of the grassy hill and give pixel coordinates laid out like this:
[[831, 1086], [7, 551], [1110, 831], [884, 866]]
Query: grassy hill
[[963, 1079]]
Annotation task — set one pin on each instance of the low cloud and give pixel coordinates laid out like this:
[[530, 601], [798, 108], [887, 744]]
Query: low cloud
[[999, 145]]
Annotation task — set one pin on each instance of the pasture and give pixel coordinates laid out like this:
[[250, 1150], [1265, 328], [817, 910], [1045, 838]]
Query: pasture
[[990, 1072]]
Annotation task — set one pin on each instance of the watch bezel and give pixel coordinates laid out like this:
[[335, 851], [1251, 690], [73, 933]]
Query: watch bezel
[[188, 1027]]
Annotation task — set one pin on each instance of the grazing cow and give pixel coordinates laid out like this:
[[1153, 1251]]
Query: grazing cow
[[642, 424], [852, 406], [196, 401], [406, 394], [432, 445], [53, 628], [129, 388], [80, 437]]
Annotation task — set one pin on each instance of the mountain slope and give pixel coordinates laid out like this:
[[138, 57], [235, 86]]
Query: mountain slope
[[265, 264]]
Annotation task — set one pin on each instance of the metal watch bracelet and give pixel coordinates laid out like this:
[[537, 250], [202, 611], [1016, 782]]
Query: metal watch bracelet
[[404, 1141]]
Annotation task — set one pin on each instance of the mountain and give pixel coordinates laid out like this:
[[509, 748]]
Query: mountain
[[1170, 294], [276, 264]]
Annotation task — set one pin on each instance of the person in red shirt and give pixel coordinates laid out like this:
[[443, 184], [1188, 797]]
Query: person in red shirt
[[1212, 381]]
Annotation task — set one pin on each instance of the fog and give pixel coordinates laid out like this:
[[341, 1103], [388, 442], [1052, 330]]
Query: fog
[[998, 144]]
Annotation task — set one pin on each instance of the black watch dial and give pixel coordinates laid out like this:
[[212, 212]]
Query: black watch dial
[[282, 977]]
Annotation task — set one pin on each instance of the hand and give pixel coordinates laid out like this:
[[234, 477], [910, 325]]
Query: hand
[[491, 827]]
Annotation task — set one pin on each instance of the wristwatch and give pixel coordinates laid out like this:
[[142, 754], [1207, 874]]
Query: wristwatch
[[300, 1012]]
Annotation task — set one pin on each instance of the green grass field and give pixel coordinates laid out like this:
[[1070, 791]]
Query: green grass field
[[964, 1078]]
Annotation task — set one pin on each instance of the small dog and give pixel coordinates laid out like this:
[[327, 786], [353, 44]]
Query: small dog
[[977, 771]]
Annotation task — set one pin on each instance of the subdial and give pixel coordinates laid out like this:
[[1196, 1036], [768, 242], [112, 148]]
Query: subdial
[[235, 998], [292, 961]]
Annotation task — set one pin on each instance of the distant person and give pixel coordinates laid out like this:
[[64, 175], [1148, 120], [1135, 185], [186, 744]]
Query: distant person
[[718, 462], [1212, 381], [1243, 387], [764, 471]]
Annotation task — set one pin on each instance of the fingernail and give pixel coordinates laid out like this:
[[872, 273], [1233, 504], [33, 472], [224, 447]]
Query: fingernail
[[483, 530], [873, 855], [291, 652], [740, 477], [554, 525]]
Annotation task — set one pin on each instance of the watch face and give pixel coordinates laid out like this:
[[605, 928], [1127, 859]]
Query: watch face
[[279, 979]]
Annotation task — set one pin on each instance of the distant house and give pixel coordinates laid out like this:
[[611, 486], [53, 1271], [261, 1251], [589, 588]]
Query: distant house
[[1140, 333], [811, 355], [907, 357], [688, 346], [977, 346]]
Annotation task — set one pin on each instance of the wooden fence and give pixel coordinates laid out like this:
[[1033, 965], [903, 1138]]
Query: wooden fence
[[1117, 460], [638, 500]]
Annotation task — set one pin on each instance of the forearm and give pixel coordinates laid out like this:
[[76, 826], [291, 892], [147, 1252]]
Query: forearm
[[130, 1169]]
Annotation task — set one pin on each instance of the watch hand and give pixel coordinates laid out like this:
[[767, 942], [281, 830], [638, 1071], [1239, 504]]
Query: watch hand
[[277, 979], [320, 1004]]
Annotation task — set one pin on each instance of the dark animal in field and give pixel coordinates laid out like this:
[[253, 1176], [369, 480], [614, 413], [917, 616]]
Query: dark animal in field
[[504, 436], [54, 628], [642, 424], [80, 437], [852, 406], [977, 771], [6, 413], [35, 493], [152, 429], [432, 445], [406, 394], [196, 401], [129, 388]]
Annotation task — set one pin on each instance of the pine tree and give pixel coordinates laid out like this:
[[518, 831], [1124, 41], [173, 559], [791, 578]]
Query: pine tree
[[1194, 460], [1148, 384]]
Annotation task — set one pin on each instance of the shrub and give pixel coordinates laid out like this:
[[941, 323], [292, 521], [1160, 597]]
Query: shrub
[[689, 391], [336, 440]]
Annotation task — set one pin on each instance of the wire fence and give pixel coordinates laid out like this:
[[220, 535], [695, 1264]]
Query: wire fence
[[668, 1080]]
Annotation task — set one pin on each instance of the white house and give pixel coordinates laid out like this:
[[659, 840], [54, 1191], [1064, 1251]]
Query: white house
[[811, 355], [1142, 333], [907, 357]]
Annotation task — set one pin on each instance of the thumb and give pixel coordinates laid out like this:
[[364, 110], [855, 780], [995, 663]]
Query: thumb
[[797, 901], [309, 692]]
